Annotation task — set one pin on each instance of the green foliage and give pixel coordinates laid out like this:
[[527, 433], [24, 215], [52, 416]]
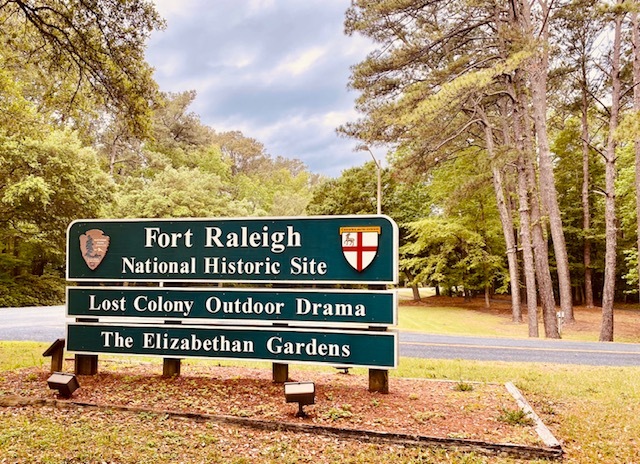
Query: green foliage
[[29, 290], [625, 194], [463, 386], [174, 192], [567, 147], [341, 412], [461, 243], [65, 69], [48, 182], [515, 417], [354, 192], [446, 252], [74, 58]]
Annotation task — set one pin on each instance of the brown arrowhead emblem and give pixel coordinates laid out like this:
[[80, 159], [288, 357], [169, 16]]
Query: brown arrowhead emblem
[[94, 245]]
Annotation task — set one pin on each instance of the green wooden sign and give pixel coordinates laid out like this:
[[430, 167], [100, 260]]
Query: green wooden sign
[[377, 350], [241, 305], [329, 249]]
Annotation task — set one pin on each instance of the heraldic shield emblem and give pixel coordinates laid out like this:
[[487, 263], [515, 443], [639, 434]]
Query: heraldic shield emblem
[[360, 245], [94, 245]]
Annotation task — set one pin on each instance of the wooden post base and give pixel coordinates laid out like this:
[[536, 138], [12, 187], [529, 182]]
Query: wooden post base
[[86, 364], [280, 373], [379, 381], [170, 367]]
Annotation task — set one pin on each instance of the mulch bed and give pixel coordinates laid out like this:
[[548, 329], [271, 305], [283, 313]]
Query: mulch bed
[[449, 412]]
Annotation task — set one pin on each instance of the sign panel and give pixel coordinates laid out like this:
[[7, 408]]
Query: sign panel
[[328, 249], [207, 305], [377, 350]]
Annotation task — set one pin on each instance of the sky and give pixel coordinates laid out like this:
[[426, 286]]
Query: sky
[[276, 70]]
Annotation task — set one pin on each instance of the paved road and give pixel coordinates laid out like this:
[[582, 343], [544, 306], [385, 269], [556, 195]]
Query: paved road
[[40, 324], [46, 324], [419, 345]]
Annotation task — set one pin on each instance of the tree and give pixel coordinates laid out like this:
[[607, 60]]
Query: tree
[[635, 38], [437, 69], [471, 204], [175, 128], [449, 253], [245, 154], [47, 182], [535, 29], [87, 56], [178, 192], [580, 25], [578, 202], [608, 293], [354, 192]]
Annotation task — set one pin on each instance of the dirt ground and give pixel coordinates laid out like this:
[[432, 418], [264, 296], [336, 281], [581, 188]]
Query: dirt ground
[[413, 406]]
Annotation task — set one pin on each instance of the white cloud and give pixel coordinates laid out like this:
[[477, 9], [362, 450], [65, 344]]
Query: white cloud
[[172, 8], [301, 63], [258, 6], [275, 70]]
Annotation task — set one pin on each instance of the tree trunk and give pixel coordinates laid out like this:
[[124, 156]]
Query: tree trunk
[[539, 243], [527, 250], [507, 223], [586, 209], [414, 287], [519, 122], [608, 291], [541, 258], [537, 72], [636, 107]]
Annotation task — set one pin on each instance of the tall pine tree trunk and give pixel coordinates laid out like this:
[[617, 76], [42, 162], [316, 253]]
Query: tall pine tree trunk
[[527, 250], [506, 220], [531, 269], [586, 183], [611, 232], [537, 70], [541, 255], [539, 243], [636, 106]]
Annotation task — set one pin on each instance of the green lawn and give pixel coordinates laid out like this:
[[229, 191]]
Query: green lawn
[[460, 321]]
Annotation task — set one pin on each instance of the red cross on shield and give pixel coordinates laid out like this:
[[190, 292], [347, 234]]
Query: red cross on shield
[[360, 245]]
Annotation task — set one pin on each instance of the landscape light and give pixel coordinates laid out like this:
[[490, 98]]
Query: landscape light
[[66, 384], [302, 393]]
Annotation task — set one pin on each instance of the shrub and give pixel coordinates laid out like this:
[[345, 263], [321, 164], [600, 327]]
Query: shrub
[[515, 417], [29, 290]]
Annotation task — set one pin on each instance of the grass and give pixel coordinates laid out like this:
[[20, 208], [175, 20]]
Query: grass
[[515, 417], [474, 320], [14, 355], [594, 411], [452, 320]]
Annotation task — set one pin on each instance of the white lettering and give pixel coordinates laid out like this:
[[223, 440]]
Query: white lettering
[[154, 236], [276, 242], [118, 304], [306, 266], [276, 345]]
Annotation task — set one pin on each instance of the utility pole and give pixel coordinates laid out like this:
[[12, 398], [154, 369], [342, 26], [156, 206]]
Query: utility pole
[[379, 169]]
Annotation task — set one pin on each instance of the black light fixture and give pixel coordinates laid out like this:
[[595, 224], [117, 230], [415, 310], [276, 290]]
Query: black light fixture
[[66, 384], [302, 393]]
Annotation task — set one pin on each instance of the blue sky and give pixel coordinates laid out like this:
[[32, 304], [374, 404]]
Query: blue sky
[[277, 70]]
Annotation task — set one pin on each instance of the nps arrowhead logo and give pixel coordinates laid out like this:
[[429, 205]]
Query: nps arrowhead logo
[[94, 245], [360, 245]]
